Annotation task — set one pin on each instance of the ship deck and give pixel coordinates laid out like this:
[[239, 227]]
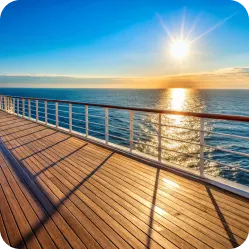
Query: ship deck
[[60, 191]]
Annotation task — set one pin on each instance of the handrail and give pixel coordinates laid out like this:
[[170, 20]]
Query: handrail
[[139, 109]]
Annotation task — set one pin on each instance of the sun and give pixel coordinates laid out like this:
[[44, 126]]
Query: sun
[[180, 49]]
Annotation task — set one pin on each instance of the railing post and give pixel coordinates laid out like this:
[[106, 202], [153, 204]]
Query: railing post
[[106, 126], [11, 105], [14, 105], [56, 114], [202, 147], [46, 112], [5, 104], [86, 116], [70, 118], [18, 107], [1, 102], [29, 109], [160, 137], [23, 107], [37, 110], [131, 131]]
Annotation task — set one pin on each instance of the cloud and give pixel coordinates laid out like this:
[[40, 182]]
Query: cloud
[[237, 77], [2, 3], [223, 78]]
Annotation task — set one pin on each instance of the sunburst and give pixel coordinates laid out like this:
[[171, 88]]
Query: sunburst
[[181, 47]]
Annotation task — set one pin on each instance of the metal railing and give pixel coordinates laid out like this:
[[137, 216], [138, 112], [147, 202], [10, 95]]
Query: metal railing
[[75, 117]]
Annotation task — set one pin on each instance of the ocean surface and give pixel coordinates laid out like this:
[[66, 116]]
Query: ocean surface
[[234, 102]]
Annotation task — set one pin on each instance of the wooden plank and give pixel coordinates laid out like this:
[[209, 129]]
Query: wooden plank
[[55, 214], [29, 133], [3, 231], [12, 229], [22, 223], [34, 222], [48, 223], [70, 219]]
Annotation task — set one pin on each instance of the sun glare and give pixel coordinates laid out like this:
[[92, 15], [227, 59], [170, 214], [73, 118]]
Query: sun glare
[[180, 49]]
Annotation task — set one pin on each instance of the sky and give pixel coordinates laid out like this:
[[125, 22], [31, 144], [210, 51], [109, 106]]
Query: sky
[[124, 44]]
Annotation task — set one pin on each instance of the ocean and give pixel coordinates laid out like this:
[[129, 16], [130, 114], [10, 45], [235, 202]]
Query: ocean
[[234, 102]]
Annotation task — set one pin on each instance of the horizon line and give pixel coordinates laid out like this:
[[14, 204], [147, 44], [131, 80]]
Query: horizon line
[[124, 88]]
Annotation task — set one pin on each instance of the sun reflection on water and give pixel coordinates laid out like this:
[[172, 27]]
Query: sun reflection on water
[[177, 99], [180, 135], [178, 96]]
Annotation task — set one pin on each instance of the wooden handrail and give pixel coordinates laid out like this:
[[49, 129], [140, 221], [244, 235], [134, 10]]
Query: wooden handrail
[[149, 110]]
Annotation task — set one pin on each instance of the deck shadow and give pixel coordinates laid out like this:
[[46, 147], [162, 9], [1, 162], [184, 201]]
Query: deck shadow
[[26, 135], [9, 128], [7, 121], [60, 160], [152, 210], [46, 148], [222, 219]]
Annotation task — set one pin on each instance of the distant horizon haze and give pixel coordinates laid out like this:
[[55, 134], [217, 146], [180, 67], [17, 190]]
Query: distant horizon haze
[[230, 78]]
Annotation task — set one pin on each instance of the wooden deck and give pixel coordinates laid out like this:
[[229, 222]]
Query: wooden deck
[[63, 192]]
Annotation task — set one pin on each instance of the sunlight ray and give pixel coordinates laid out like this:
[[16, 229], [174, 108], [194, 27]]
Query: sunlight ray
[[193, 26], [165, 28], [213, 28], [183, 23]]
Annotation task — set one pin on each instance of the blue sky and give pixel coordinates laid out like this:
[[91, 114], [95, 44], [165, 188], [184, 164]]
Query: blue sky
[[117, 39]]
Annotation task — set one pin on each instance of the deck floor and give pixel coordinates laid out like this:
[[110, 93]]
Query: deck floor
[[66, 193]]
